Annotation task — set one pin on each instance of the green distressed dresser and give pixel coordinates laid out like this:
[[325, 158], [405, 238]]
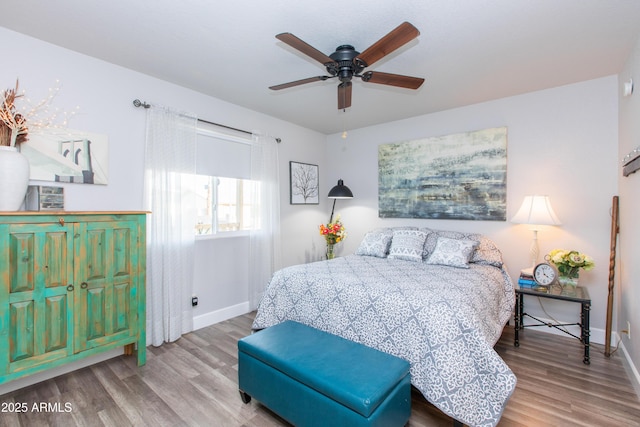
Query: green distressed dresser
[[72, 284]]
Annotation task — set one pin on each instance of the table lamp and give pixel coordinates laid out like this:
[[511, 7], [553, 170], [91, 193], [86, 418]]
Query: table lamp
[[535, 211]]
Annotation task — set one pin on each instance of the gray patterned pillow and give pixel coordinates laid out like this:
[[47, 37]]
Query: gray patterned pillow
[[452, 252], [486, 251], [407, 244], [375, 243]]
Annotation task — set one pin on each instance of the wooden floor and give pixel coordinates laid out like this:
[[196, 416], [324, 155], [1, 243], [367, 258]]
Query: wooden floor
[[193, 382]]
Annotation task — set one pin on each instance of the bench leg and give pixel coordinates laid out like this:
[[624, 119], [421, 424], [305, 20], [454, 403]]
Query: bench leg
[[245, 397]]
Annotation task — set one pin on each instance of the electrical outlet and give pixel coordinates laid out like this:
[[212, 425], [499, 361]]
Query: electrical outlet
[[194, 301]]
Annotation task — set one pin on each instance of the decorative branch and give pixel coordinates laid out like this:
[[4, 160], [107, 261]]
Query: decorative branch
[[13, 125], [13, 122]]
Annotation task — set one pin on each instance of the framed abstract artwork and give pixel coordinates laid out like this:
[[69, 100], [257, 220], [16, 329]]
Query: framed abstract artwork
[[304, 183], [459, 176]]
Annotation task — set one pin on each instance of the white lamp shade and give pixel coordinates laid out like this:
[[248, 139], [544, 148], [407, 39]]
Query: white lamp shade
[[536, 210]]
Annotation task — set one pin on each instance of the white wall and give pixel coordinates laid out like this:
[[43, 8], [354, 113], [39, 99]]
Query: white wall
[[627, 298], [104, 92], [561, 142]]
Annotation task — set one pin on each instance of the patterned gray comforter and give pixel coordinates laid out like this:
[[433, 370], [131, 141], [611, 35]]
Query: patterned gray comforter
[[443, 320]]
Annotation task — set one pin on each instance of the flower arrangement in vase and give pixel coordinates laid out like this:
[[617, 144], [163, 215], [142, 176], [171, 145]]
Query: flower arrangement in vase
[[333, 232], [569, 263]]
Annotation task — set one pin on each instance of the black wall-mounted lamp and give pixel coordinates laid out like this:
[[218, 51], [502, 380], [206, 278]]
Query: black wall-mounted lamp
[[340, 191]]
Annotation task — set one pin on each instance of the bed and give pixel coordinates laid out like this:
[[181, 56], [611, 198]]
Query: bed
[[438, 299]]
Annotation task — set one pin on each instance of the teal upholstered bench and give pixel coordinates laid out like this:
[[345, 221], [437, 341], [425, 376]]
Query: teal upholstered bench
[[313, 378]]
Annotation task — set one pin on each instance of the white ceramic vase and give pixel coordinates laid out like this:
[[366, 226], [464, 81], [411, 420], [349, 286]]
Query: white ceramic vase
[[14, 178]]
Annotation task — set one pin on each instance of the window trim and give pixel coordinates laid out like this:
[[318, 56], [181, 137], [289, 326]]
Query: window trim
[[224, 235], [207, 130], [201, 130], [238, 207]]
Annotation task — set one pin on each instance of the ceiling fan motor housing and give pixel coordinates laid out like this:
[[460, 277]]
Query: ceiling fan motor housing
[[344, 66]]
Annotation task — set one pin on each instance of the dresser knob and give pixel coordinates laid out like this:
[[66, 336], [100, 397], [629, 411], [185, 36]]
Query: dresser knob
[[84, 285], [61, 221], [70, 288]]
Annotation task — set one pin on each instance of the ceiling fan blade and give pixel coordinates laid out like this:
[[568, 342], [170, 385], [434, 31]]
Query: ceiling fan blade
[[344, 95], [398, 37], [392, 79], [304, 47], [298, 82]]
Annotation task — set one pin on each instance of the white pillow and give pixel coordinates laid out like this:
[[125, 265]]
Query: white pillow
[[452, 252], [407, 245]]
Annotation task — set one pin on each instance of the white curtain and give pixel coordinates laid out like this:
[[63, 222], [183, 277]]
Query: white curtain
[[170, 162], [264, 241]]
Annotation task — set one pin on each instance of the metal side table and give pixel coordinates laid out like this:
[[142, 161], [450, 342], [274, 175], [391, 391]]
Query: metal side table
[[578, 294]]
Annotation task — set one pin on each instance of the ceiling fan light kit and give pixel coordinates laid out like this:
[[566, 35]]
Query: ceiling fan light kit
[[346, 62]]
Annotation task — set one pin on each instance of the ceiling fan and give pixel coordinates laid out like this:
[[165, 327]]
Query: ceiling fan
[[346, 63]]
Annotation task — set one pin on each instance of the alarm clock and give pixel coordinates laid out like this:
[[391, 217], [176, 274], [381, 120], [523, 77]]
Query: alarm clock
[[545, 274]]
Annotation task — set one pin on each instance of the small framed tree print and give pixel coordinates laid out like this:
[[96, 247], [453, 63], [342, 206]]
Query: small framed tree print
[[304, 183]]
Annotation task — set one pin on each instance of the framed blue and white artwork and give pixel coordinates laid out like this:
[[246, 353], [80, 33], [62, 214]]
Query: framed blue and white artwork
[[460, 176]]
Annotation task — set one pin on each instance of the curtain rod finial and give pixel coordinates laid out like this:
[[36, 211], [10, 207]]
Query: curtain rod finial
[[138, 103]]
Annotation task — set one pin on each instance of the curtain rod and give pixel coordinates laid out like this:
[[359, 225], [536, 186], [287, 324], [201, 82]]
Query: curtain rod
[[138, 103]]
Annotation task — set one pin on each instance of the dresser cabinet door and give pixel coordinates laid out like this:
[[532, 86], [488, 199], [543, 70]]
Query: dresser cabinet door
[[106, 273], [36, 294]]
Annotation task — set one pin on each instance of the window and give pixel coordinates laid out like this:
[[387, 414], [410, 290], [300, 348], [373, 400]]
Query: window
[[225, 204], [226, 199]]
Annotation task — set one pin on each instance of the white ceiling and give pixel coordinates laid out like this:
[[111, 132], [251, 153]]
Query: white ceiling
[[468, 51]]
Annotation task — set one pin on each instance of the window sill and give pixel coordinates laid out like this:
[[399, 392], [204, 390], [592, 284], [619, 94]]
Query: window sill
[[223, 235]]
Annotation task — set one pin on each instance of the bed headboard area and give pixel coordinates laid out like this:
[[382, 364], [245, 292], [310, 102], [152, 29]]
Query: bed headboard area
[[443, 247]]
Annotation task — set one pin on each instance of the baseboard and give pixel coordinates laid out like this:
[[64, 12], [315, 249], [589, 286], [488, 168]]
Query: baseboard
[[631, 369], [598, 336], [218, 316], [60, 370]]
